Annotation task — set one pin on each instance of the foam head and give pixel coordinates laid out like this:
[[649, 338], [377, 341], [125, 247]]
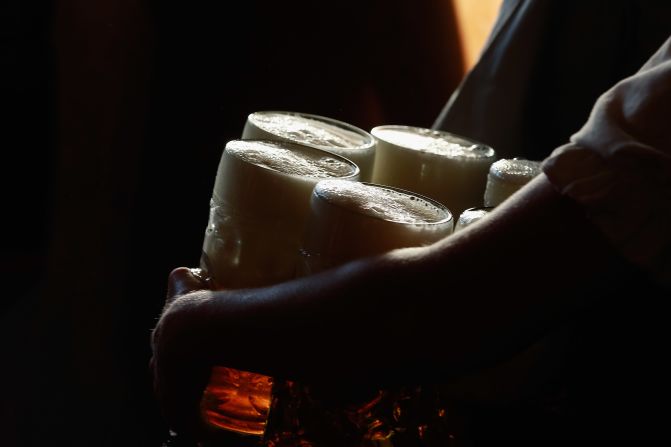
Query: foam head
[[313, 130], [471, 216], [446, 167], [259, 207], [349, 220], [434, 142], [256, 176], [506, 176], [381, 202]]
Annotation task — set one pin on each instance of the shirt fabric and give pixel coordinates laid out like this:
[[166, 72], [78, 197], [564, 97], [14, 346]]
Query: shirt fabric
[[544, 65], [539, 85], [618, 166], [537, 81]]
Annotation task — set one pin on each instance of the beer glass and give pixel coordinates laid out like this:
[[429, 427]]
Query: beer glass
[[507, 176], [258, 210], [321, 132], [443, 166], [347, 221], [471, 216], [357, 219]]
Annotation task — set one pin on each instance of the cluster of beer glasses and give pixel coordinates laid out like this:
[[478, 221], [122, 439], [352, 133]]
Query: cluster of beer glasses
[[278, 191]]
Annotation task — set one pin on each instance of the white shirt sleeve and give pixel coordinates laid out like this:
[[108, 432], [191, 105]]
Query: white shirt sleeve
[[618, 166]]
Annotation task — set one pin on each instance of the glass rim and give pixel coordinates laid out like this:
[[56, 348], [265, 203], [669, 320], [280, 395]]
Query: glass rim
[[479, 208], [368, 145], [460, 139], [356, 172], [517, 177], [447, 219]]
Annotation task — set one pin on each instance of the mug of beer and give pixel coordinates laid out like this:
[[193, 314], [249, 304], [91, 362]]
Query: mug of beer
[[506, 176], [347, 221], [321, 132], [471, 215], [445, 167], [258, 210], [350, 220]]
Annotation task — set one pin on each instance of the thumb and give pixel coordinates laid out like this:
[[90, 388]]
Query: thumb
[[183, 280]]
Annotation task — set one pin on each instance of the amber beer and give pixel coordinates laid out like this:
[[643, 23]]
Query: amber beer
[[258, 210]]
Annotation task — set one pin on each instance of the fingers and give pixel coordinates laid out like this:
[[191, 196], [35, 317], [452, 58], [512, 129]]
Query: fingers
[[180, 372]]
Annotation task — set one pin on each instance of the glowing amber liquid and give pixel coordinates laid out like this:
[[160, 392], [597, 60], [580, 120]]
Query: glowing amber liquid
[[237, 400]]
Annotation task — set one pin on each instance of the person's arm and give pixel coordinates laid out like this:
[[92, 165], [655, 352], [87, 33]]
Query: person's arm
[[417, 314], [409, 315]]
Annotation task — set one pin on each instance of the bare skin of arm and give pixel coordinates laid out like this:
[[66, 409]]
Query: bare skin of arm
[[409, 315]]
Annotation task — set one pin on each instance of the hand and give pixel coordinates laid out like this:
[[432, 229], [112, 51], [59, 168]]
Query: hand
[[179, 365]]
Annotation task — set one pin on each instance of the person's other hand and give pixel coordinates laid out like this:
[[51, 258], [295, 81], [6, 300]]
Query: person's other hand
[[179, 365]]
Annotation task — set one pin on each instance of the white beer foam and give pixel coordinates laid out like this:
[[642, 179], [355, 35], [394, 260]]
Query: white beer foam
[[306, 130], [273, 155], [380, 202], [434, 142], [516, 170], [472, 215]]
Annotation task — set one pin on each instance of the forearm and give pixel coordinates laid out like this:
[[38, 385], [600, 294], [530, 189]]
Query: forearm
[[477, 296]]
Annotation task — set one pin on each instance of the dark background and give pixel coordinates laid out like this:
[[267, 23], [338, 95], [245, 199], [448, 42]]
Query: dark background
[[115, 116]]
